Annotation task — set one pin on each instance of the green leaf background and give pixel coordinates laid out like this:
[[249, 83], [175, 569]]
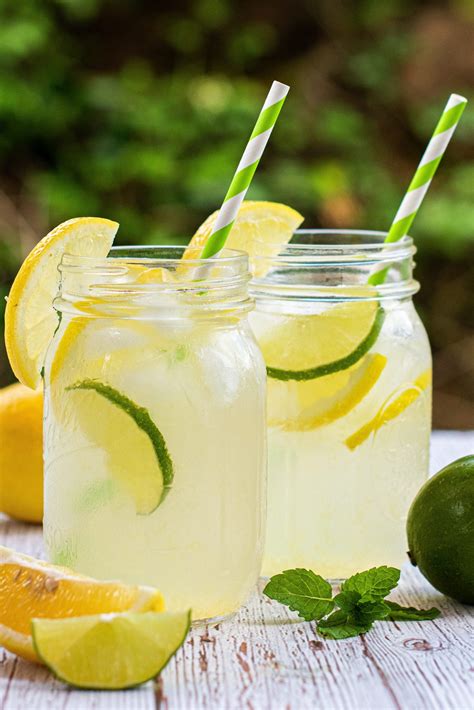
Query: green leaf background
[[139, 110]]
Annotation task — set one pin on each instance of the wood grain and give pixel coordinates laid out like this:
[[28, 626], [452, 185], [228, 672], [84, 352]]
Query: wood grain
[[266, 659]]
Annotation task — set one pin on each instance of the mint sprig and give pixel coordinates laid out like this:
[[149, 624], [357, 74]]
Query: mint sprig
[[340, 625], [409, 613], [303, 591], [360, 602], [373, 584]]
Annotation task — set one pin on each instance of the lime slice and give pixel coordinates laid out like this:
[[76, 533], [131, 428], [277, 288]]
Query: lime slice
[[30, 319], [261, 229], [319, 403], [304, 347], [307, 347], [137, 455], [109, 651], [32, 588], [390, 410]]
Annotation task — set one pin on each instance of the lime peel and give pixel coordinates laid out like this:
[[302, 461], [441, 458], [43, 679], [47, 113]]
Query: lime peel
[[359, 385], [440, 530], [110, 651], [144, 422], [64, 593], [343, 363]]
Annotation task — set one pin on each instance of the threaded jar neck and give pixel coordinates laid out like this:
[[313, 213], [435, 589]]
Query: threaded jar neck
[[336, 265], [147, 282]]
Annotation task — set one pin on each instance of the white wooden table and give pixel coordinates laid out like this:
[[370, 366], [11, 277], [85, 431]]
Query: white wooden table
[[265, 658]]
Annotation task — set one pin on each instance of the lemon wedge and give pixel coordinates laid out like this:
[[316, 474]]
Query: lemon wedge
[[260, 229], [30, 588], [30, 320]]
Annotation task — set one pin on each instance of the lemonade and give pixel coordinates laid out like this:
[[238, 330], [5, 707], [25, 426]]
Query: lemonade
[[155, 428], [349, 402]]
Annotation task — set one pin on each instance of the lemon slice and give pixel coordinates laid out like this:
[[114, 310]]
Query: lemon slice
[[345, 333], [137, 454], [97, 306], [261, 229], [30, 320], [391, 409], [306, 347], [154, 275], [110, 651], [32, 588], [65, 346], [321, 402]]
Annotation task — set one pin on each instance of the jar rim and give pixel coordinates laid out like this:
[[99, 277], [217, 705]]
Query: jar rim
[[126, 281], [372, 247], [333, 265], [136, 254], [377, 238]]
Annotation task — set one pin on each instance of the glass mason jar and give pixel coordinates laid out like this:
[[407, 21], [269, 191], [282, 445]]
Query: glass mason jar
[[349, 400], [155, 426]]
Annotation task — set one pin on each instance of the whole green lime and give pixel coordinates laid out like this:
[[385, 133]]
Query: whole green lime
[[440, 530]]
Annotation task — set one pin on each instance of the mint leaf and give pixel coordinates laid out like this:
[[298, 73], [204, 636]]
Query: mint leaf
[[360, 601], [303, 591], [374, 584], [409, 613], [340, 625], [347, 601], [361, 612], [370, 611]]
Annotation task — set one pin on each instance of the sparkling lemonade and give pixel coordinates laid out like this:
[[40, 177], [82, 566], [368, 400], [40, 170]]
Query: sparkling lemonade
[[142, 377], [349, 406]]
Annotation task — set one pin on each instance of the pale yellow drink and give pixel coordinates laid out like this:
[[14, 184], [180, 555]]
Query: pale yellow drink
[[347, 450], [190, 360]]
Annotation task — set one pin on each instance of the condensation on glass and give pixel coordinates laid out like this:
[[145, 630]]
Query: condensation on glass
[[155, 426], [348, 447]]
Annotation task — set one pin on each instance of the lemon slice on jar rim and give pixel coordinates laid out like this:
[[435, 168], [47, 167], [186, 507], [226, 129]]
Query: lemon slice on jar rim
[[30, 319]]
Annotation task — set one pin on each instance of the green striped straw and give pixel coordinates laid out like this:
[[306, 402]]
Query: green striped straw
[[425, 171], [246, 169]]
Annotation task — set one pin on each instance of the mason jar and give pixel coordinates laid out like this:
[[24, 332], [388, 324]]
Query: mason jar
[[155, 426], [349, 400]]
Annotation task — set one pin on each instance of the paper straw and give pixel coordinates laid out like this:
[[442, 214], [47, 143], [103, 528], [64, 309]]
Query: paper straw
[[246, 169], [425, 171]]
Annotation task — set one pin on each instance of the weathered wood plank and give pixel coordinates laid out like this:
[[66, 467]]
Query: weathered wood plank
[[265, 658]]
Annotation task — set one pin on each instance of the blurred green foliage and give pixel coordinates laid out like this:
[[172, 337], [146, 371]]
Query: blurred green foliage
[[138, 110]]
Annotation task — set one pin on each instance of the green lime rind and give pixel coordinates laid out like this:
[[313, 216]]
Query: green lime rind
[[143, 420], [440, 530], [109, 651], [343, 363]]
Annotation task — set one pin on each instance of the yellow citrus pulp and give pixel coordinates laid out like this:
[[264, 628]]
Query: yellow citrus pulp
[[31, 589]]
